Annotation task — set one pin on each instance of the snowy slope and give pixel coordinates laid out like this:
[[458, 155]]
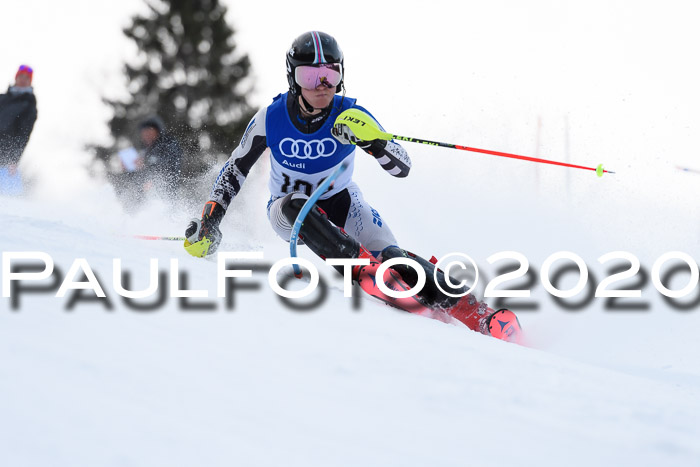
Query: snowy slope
[[265, 385]]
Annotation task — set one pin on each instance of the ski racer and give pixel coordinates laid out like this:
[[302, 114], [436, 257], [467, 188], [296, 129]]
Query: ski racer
[[306, 146]]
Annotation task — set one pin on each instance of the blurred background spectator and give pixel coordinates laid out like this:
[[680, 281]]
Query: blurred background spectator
[[17, 116]]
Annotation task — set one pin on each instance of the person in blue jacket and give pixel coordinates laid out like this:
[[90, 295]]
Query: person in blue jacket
[[305, 147], [297, 128]]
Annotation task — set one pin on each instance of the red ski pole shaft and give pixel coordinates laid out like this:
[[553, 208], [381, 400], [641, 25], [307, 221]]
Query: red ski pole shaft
[[598, 169], [156, 237]]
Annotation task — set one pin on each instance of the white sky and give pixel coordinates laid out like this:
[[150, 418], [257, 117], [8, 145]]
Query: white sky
[[476, 73]]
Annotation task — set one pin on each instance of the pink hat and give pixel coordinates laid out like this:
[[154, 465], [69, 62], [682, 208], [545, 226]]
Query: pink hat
[[26, 70]]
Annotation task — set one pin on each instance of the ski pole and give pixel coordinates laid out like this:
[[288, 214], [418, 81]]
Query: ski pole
[[688, 169], [154, 237], [367, 130], [308, 205], [599, 170]]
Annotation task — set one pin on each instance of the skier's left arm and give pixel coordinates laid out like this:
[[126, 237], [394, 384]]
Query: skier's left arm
[[391, 156]]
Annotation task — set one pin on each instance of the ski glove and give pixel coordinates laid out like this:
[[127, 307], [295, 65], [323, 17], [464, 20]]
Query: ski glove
[[344, 135], [353, 122], [206, 230]]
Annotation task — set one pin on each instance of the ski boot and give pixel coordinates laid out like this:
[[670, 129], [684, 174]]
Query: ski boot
[[477, 316]]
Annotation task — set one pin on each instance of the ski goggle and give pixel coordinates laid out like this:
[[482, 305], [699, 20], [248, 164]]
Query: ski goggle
[[25, 69], [313, 76]]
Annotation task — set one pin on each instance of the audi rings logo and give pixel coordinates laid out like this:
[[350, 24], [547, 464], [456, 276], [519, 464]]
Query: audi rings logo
[[308, 149]]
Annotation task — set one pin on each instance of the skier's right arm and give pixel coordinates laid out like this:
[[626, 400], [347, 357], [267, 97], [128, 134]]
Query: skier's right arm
[[229, 182]]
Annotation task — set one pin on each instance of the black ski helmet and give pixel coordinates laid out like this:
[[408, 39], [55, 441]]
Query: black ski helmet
[[312, 48]]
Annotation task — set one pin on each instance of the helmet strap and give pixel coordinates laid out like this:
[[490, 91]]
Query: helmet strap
[[307, 106], [342, 99]]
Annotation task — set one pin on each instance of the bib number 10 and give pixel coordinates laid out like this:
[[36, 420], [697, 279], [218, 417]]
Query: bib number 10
[[300, 186]]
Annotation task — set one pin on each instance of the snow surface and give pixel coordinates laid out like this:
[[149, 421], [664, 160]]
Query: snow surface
[[267, 385], [263, 384]]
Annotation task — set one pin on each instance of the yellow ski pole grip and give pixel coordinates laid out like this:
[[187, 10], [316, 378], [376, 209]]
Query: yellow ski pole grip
[[362, 125], [198, 249]]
